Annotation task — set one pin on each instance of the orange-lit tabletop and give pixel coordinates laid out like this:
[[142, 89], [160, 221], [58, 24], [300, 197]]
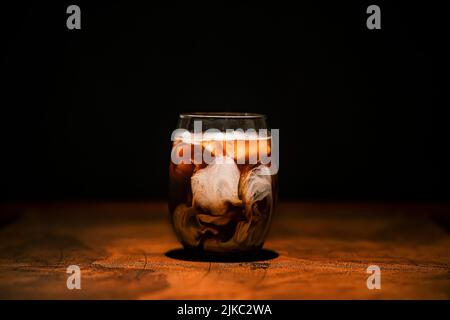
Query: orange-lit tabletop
[[314, 251]]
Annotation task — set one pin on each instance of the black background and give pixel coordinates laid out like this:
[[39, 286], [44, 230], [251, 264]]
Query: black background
[[87, 114]]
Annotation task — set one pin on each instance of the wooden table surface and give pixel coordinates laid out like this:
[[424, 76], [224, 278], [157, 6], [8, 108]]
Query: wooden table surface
[[314, 251]]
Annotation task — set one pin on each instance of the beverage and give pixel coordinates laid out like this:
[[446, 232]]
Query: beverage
[[222, 191]]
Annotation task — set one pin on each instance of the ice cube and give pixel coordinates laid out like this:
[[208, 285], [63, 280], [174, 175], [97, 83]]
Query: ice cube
[[255, 185], [216, 186], [255, 190]]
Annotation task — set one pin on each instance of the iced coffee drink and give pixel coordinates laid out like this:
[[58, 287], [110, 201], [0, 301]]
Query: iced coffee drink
[[222, 189]]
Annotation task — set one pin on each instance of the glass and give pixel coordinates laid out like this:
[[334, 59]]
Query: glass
[[222, 192]]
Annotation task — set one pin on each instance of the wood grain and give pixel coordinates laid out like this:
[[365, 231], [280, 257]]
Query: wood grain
[[322, 252]]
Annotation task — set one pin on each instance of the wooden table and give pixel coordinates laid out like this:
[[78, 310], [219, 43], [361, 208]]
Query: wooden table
[[315, 251]]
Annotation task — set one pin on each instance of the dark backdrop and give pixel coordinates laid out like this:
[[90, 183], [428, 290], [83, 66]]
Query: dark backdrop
[[88, 114]]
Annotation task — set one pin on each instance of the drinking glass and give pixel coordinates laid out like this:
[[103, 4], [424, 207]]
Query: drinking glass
[[223, 182]]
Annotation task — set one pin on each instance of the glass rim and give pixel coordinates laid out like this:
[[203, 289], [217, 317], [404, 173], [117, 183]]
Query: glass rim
[[222, 115]]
